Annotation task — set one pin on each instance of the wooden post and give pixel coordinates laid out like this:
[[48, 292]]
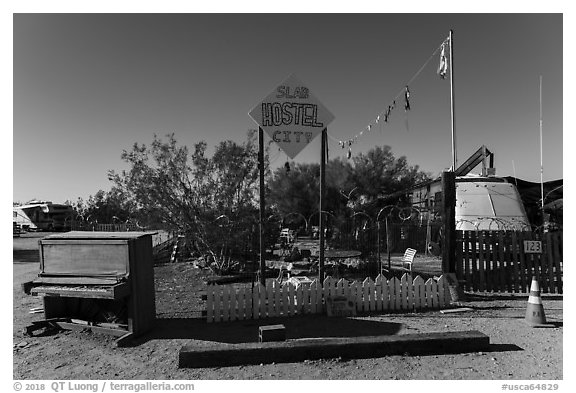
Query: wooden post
[[388, 244], [378, 246], [449, 228], [322, 192], [262, 206], [449, 222], [428, 235]]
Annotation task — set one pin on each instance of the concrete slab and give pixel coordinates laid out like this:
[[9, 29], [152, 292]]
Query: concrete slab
[[222, 355]]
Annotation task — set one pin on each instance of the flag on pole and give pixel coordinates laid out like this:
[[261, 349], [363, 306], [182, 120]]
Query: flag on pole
[[443, 66], [406, 99]]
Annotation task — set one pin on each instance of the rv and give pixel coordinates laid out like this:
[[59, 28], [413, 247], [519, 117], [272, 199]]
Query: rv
[[42, 216], [483, 203]]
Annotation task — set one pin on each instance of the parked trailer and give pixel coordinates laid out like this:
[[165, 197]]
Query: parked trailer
[[483, 203], [43, 216]]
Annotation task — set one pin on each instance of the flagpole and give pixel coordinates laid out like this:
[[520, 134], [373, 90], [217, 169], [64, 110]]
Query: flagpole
[[454, 159], [541, 161]]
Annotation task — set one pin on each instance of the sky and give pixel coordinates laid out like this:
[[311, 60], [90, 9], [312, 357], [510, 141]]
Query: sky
[[88, 86]]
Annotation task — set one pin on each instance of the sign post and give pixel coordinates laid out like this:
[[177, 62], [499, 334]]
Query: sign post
[[262, 232], [292, 117], [322, 195]]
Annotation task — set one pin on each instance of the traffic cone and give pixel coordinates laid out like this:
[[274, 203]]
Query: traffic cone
[[535, 310]]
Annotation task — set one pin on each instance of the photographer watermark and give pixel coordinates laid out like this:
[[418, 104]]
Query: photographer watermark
[[102, 386]]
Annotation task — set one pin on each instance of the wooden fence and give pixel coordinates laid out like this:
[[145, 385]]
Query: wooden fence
[[502, 261], [225, 303]]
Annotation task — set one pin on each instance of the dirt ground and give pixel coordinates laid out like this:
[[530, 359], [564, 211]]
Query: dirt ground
[[517, 351]]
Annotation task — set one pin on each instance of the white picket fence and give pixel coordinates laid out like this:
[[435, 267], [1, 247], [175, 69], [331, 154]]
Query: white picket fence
[[224, 303]]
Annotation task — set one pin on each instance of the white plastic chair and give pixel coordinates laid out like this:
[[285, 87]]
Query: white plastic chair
[[408, 259]]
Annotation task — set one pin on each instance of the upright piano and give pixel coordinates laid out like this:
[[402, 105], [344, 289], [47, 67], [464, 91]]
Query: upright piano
[[102, 281]]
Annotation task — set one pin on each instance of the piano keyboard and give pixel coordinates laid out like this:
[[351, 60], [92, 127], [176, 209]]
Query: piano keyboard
[[116, 291]]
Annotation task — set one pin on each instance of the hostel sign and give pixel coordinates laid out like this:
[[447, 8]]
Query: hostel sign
[[291, 116]]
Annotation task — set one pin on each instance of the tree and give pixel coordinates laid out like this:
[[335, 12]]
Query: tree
[[372, 175], [295, 190], [298, 190], [104, 207], [209, 200], [378, 174]]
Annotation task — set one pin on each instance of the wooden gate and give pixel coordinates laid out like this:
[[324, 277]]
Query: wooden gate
[[506, 261]]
